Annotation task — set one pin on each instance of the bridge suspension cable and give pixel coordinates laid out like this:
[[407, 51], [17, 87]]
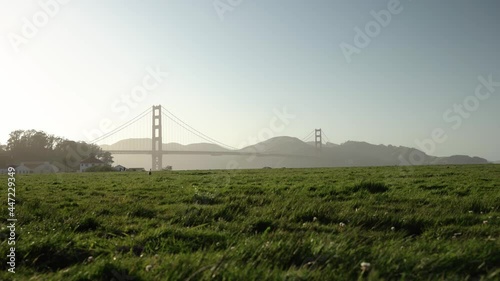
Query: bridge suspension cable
[[327, 140], [165, 112], [308, 136], [123, 126], [184, 125]]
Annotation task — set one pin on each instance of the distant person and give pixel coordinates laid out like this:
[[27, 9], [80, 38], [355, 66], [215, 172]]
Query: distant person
[[149, 173]]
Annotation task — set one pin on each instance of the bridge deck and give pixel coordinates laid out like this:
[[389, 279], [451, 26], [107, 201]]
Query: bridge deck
[[212, 153]]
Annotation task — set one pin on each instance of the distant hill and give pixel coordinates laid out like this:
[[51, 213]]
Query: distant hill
[[328, 144], [282, 145], [354, 153], [145, 144], [461, 159], [351, 153]]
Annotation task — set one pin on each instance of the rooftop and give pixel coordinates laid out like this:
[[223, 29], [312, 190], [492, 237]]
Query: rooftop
[[91, 160]]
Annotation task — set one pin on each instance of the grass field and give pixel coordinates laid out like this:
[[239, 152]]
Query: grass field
[[409, 223]]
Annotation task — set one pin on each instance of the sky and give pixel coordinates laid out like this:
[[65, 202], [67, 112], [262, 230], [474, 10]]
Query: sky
[[226, 67]]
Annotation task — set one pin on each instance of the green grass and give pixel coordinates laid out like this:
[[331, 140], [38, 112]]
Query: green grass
[[410, 223]]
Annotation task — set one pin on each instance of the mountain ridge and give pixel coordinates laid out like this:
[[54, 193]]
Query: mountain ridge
[[301, 155]]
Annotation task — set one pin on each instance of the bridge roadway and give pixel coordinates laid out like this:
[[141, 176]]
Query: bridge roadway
[[212, 153]]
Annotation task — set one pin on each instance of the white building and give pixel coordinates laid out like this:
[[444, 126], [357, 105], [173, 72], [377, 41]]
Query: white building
[[31, 168], [5, 169], [24, 169], [45, 168], [91, 161], [119, 168]]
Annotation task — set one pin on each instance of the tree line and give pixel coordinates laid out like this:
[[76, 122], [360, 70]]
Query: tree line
[[34, 146]]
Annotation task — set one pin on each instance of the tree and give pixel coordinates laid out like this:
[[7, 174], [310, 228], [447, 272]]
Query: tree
[[33, 145], [3, 154], [14, 143], [104, 156], [71, 153]]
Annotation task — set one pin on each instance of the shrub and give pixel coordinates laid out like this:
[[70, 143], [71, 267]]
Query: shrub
[[370, 186], [87, 224], [105, 168]]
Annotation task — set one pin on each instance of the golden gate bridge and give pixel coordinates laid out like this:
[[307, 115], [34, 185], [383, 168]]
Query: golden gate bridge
[[158, 122]]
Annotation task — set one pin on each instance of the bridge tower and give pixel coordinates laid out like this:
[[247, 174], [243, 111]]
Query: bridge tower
[[157, 143], [317, 138]]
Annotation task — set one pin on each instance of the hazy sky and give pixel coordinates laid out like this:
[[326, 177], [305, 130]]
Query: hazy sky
[[228, 70]]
